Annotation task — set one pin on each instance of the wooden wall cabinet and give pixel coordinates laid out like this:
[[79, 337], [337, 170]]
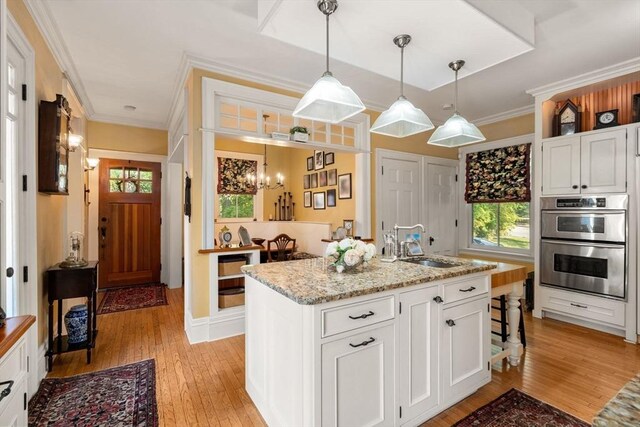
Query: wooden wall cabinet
[[53, 146]]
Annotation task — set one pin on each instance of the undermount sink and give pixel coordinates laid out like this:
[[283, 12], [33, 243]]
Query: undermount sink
[[430, 263]]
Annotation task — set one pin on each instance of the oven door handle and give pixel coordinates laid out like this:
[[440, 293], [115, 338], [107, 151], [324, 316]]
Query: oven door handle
[[585, 212], [592, 245]]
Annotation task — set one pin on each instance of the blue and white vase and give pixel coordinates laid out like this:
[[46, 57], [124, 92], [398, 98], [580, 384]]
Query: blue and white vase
[[76, 323]]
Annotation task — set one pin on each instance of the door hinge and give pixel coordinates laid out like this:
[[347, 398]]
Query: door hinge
[[27, 363], [456, 177], [399, 308], [382, 168], [160, 220], [24, 92], [488, 366], [25, 273], [160, 175], [25, 401], [456, 222], [488, 308], [24, 182], [383, 225], [401, 412]]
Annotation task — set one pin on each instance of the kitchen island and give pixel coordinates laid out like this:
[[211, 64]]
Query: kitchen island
[[391, 344]]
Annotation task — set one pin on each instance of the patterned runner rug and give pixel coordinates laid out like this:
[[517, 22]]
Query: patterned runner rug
[[623, 409], [141, 296], [515, 408], [123, 396]]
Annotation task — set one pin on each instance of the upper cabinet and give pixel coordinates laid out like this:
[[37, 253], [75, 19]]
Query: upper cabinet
[[588, 164]]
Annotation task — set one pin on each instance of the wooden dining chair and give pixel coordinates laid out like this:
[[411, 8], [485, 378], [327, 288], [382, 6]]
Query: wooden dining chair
[[281, 241]]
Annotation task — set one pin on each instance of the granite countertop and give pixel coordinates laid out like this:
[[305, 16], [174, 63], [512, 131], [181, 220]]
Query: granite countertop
[[313, 281]]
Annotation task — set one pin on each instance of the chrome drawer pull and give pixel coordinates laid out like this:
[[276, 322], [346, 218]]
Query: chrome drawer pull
[[363, 316], [472, 288], [363, 343], [579, 305], [7, 391], [451, 322]]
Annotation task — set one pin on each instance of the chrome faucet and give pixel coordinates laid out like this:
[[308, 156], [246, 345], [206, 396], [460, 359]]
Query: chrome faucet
[[401, 249]]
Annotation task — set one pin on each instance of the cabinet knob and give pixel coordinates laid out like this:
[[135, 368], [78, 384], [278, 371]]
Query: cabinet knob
[[10, 272], [438, 299], [584, 186], [450, 322], [575, 187]]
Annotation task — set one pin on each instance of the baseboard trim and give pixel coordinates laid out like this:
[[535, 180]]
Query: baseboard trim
[[227, 325], [197, 329], [42, 362]]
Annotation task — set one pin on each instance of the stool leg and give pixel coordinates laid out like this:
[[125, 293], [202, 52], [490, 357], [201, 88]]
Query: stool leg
[[523, 337], [503, 318]]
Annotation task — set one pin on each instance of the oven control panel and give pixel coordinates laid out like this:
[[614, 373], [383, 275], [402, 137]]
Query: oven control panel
[[589, 202]]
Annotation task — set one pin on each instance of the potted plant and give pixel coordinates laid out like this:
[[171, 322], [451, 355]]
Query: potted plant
[[299, 133]]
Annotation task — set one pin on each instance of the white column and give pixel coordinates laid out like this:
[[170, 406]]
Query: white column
[[513, 312]]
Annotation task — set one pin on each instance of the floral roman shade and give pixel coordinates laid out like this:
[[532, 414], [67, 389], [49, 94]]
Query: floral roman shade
[[499, 175], [232, 176]]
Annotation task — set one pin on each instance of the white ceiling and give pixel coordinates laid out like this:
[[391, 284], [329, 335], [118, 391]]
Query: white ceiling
[[120, 52]]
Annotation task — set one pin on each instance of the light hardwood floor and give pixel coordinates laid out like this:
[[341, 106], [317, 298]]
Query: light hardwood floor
[[575, 369]]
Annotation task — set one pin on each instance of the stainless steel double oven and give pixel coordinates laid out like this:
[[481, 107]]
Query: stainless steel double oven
[[584, 244]]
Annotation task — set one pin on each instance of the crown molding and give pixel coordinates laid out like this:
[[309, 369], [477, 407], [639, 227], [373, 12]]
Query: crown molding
[[494, 118], [596, 76], [128, 121], [42, 16]]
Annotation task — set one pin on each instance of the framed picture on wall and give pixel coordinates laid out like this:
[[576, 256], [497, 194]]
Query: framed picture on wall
[[344, 186], [307, 199], [331, 198], [314, 180], [322, 179], [319, 200], [318, 157], [306, 181], [329, 159], [332, 177], [310, 163]]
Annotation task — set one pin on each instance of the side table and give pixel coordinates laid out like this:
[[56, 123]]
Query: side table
[[63, 283]]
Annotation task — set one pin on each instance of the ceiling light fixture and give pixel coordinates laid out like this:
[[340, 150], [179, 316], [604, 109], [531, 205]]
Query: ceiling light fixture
[[457, 130], [328, 100], [402, 118], [263, 182]]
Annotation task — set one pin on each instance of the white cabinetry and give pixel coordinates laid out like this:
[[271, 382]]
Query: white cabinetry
[[13, 376], [418, 352], [588, 164], [358, 379], [466, 349]]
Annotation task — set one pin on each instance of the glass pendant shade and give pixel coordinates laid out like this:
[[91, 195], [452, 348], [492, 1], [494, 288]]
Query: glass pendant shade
[[328, 101], [455, 132], [402, 119]]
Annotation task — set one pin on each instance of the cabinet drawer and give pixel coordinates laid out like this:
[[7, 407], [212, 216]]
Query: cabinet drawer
[[13, 367], [585, 306], [465, 289], [12, 411], [353, 316]]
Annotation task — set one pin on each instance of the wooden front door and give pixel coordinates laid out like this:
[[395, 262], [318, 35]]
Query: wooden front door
[[129, 223]]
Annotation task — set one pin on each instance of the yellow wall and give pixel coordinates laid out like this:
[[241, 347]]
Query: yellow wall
[[51, 210], [109, 136]]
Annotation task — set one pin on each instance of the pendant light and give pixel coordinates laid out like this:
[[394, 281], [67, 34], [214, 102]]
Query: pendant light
[[328, 100], [457, 130], [402, 118]]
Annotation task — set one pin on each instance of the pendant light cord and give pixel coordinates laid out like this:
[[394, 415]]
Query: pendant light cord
[[327, 72], [455, 95], [402, 72]]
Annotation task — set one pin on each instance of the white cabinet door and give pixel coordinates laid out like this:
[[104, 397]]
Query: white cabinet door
[[358, 379], [418, 352], [561, 166], [13, 413], [604, 168], [466, 349]]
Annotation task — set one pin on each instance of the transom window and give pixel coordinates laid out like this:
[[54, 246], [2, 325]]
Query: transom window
[[130, 180]]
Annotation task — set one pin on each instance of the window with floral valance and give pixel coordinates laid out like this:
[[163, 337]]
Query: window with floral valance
[[232, 176], [499, 175]]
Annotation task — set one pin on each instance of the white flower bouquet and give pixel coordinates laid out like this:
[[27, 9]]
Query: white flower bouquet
[[349, 253]]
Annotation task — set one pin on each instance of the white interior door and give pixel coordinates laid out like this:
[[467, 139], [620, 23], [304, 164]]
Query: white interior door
[[441, 209], [399, 199], [14, 131]]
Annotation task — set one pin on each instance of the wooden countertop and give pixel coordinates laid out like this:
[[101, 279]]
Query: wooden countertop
[[225, 250], [505, 273], [14, 328]]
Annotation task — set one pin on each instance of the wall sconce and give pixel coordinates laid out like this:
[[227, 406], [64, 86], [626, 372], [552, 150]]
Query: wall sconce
[[75, 141], [92, 163]]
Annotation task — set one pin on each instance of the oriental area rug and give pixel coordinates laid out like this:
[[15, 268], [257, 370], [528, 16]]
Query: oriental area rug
[[622, 410], [515, 408], [141, 296], [123, 396]]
